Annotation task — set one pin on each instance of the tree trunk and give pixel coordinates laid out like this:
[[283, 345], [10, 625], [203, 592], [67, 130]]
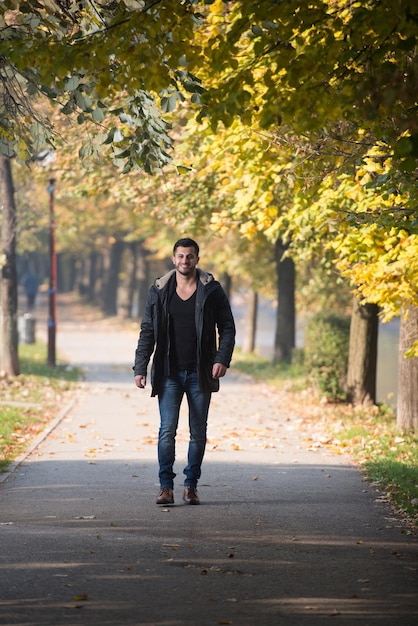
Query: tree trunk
[[142, 279], [9, 360], [93, 263], [407, 408], [110, 287], [127, 290], [250, 323], [362, 356], [67, 272], [285, 320], [226, 282]]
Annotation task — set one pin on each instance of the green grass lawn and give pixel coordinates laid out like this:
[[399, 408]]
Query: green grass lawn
[[31, 400]]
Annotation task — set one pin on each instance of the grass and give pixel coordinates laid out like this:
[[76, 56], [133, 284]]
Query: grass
[[288, 376], [31, 400], [388, 458]]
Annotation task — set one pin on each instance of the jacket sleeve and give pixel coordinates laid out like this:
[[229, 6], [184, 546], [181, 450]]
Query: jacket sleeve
[[146, 340], [226, 329]]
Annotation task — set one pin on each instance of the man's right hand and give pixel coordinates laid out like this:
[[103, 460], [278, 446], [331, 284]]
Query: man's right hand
[[140, 381]]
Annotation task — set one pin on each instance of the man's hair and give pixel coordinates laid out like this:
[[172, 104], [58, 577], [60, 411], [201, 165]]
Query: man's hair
[[186, 242]]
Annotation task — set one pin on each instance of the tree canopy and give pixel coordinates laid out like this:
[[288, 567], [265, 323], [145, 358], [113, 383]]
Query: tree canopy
[[97, 62], [316, 104], [305, 113]]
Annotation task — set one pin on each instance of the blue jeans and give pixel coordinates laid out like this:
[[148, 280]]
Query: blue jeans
[[169, 399]]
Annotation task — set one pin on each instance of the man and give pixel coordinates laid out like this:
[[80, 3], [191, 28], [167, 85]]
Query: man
[[31, 285], [186, 309]]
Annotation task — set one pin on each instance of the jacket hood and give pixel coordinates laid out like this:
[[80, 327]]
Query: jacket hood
[[204, 277]]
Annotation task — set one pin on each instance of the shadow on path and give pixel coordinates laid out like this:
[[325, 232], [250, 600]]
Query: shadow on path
[[85, 543]]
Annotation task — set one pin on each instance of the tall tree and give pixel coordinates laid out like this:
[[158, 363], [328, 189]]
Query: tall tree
[[286, 322], [250, 322], [9, 361], [111, 277], [101, 65], [362, 358], [333, 86], [407, 407]]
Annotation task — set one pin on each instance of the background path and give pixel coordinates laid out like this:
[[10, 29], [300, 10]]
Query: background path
[[284, 536]]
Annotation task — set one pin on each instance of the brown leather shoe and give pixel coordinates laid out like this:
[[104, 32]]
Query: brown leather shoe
[[190, 495], [165, 496]]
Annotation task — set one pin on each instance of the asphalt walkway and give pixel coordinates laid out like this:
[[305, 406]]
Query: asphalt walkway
[[286, 534]]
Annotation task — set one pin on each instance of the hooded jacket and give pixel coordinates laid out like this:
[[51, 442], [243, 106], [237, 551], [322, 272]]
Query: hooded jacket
[[215, 330]]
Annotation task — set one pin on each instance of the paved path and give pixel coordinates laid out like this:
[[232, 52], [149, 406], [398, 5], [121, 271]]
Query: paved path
[[284, 536]]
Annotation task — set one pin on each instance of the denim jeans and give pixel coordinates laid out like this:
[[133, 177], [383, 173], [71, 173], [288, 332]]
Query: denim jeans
[[169, 399]]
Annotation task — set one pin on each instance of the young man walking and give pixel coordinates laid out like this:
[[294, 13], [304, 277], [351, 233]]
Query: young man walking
[[188, 325]]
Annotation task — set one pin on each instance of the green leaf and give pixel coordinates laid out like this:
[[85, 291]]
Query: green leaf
[[256, 30], [182, 169], [98, 115], [169, 104], [71, 84], [68, 108], [51, 93]]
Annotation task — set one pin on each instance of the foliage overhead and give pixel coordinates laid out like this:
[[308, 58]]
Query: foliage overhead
[[84, 55], [318, 63], [317, 106], [306, 119]]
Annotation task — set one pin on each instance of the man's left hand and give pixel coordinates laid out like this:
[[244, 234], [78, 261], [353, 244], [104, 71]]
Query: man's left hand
[[218, 370]]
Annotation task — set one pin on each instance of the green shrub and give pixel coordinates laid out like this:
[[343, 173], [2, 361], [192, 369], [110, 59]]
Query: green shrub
[[326, 353]]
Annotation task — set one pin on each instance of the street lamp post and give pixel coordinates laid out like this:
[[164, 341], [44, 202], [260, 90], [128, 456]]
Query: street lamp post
[[52, 318]]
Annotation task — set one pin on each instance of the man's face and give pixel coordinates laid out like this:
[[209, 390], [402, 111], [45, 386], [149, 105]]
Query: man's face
[[185, 260]]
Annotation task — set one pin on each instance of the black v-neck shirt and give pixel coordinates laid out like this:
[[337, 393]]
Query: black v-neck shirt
[[183, 332]]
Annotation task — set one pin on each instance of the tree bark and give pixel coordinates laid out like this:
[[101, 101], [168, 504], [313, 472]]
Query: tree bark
[[407, 406], [127, 289], [285, 320], [9, 360], [362, 356], [93, 264], [142, 278], [250, 323], [111, 284], [226, 282], [67, 272]]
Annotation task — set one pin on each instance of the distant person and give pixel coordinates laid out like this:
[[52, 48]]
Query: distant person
[[31, 285], [185, 310]]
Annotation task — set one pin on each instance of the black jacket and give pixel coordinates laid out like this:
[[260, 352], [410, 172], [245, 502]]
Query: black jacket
[[213, 313]]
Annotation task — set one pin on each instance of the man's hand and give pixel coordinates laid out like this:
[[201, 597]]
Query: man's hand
[[218, 370], [140, 381]]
